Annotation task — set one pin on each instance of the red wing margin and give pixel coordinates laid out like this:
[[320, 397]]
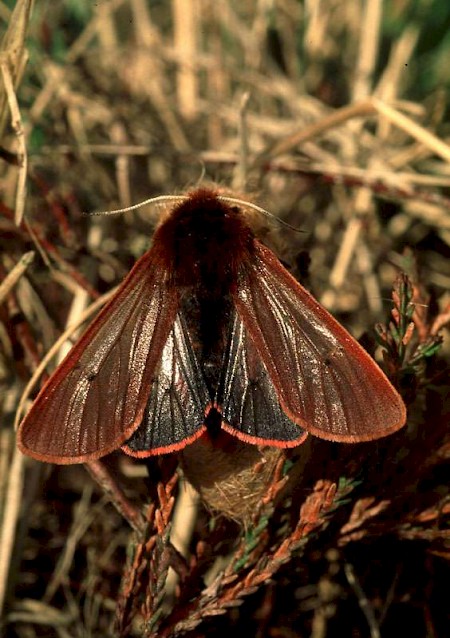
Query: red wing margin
[[175, 413], [97, 397], [325, 381], [247, 398]]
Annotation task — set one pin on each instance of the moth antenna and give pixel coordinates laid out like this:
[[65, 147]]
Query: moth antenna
[[159, 199], [165, 199], [259, 209]]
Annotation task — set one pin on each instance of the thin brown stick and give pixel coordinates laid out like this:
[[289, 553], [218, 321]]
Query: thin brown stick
[[101, 474]]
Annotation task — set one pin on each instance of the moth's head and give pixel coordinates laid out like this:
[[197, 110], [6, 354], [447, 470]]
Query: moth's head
[[204, 233]]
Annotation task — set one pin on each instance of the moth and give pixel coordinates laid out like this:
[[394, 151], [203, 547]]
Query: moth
[[208, 332]]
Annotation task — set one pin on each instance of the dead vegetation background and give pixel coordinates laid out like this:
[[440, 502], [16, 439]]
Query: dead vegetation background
[[334, 116]]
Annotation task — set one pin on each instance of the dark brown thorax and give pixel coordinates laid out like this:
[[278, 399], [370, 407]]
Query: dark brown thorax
[[205, 244]]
